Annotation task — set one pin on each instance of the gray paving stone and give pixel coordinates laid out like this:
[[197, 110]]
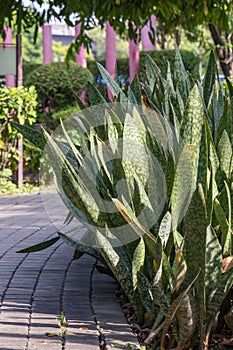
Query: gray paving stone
[[35, 287], [109, 314]]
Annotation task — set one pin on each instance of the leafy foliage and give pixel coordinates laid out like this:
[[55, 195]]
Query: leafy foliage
[[19, 105]]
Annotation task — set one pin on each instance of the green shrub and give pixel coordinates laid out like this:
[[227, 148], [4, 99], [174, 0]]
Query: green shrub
[[177, 269], [56, 84], [28, 68]]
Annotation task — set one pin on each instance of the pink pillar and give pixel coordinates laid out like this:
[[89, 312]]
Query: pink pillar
[[19, 82], [147, 45], [10, 79], [47, 44], [110, 52], [133, 59], [110, 49], [81, 56]]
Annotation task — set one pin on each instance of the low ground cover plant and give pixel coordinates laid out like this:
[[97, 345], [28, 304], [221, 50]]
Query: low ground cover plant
[[150, 176]]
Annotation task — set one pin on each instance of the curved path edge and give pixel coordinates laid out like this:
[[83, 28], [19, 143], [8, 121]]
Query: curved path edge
[[37, 289]]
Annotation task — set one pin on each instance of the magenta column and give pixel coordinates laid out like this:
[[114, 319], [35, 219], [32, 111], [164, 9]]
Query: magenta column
[[110, 52], [147, 45], [47, 43], [133, 59], [19, 82], [110, 49], [10, 79], [81, 56]]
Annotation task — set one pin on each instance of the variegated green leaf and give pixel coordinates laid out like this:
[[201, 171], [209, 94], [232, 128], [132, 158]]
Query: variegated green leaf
[[77, 254], [225, 154], [228, 246], [138, 261], [209, 79], [230, 88], [181, 105], [135, 91], [172, 312], [224, 227], [134, 136], [70, 185], [192, 124], [117, 266], [195, 248], [225, 122], [145, 293], [82, 248], [214, 163], [159, 295], [165, 228], [187, 317], [39, 246], [217, 296], [30, 134], [169, 77], [202, 176], [181, 80], [153, 72], [183, 185], [113, 86], [213, 266], [94, 95]]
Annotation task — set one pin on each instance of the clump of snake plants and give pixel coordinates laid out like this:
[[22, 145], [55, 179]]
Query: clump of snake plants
[[150, 177]]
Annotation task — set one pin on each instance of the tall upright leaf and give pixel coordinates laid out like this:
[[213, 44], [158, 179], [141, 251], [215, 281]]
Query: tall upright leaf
[[183, 186], [225, 153], [111, 83], [116, 265], [181, 79], [209, 79], [195, 248], [30, 134], [138, 261], [192, 123]]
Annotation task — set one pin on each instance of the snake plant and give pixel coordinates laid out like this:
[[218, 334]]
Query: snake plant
[[150, 177]]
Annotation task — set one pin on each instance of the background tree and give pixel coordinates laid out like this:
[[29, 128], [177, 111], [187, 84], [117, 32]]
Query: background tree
[[128, 15], [216, 16]]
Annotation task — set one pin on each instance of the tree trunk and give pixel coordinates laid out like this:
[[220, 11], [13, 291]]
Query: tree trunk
[[224, 51], [177, 37]]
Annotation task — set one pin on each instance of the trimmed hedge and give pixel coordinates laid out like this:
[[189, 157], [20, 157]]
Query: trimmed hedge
[[56, 84]]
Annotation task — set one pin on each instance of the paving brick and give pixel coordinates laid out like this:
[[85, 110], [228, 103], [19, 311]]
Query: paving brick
[[35, 287]]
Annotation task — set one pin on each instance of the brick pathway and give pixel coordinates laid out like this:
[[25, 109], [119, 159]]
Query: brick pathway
[[34, 288]]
